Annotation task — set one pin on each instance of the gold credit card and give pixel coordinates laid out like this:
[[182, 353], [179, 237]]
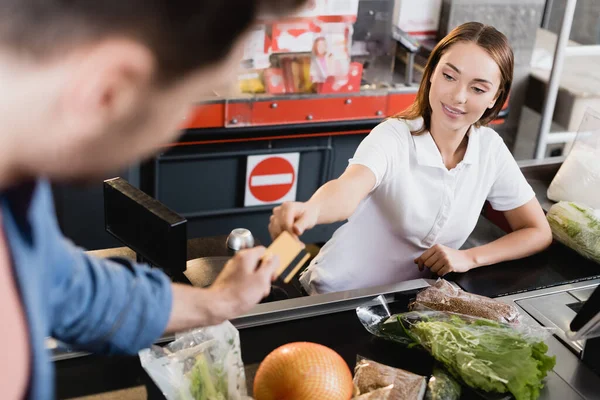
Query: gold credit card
[[292, 256]]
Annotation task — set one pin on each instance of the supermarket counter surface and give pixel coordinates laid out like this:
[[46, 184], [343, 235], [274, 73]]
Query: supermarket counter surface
[[330, 320]]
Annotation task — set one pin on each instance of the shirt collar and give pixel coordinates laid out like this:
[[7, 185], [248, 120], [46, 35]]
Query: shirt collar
[[428, 154], [473, 147], [17, 202]]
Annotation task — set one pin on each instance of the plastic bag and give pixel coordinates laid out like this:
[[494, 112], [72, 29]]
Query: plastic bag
[[578, 179], [442, 296], [442, 386], [485, 355], [577, 227], [203, 364], [373, 380]]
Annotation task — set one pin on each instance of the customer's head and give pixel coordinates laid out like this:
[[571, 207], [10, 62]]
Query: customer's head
[[467, 78], [93, 85]]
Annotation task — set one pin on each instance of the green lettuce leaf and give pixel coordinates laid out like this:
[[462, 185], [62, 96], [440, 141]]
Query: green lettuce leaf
[[486, 355]]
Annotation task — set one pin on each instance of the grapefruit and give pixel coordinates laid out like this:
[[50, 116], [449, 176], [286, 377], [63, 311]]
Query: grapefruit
[[303, 371]]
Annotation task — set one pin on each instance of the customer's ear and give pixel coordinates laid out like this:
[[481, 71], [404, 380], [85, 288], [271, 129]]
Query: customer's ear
[[111, 80]]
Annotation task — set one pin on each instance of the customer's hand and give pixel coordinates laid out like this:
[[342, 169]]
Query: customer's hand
[[244, 282], [442, 260], [294, 217]]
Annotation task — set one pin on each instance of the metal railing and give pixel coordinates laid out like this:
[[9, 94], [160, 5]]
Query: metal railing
[[563, 50]]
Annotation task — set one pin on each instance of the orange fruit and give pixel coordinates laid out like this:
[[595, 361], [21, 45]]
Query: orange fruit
[[303, 371]]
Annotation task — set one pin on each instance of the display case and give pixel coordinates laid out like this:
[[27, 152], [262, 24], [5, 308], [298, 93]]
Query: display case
[[333, 61]]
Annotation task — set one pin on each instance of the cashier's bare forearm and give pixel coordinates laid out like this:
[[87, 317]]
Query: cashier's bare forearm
[[531, 234], [338, 199], [515, 245], [330, 202], [194, 307]]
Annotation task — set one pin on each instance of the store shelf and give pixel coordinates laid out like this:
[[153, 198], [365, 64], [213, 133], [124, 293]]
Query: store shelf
[[298, 109]]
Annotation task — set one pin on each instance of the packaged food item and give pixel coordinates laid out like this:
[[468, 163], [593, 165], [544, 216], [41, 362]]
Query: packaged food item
[[373, 380], [577, 227], [442, 296], [442, 386], [296, 73], [578, 178], [303, 370], [488, 356], [379, 394], [204, 364], [274, 81], [251, 82]]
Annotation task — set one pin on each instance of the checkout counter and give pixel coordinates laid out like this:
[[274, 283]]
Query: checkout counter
[[550, 289]]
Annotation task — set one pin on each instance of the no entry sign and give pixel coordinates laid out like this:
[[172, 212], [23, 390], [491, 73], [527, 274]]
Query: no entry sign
[[271, 179]]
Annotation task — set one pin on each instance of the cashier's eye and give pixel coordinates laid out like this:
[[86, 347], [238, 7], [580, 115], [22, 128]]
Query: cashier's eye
[[447, 77], [478, 90]]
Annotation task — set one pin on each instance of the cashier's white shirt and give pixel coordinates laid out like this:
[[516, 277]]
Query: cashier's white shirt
[[416, 203]]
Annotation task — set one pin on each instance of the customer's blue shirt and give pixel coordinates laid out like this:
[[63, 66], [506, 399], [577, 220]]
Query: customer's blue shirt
[[94, 305]]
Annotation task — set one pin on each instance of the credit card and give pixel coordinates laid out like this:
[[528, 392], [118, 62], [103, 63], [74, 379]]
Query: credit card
[[292, 255]]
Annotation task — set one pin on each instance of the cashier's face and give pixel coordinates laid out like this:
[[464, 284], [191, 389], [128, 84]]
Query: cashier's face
[[107, 110], [463, 86]]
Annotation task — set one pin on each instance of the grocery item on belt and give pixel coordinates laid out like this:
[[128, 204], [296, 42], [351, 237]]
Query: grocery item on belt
[[442, 386], [487, 356], [578, 178], [442, 296], [379, 394], [373, 380], [303, 370], [204, 364], [577, 227]]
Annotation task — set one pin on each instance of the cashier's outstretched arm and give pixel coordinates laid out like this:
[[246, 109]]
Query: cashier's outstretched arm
[[244, 281], [335, 201]]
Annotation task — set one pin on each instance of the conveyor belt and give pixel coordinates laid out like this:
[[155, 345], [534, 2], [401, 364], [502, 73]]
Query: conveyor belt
[[331, 321], [341, 331]]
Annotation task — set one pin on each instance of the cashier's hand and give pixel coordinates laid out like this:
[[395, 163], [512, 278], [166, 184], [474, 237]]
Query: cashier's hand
[[245, 281], [442, 260], [294, 217]]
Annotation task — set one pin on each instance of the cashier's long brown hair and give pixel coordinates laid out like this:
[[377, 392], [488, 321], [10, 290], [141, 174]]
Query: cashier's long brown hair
[[489, 39]]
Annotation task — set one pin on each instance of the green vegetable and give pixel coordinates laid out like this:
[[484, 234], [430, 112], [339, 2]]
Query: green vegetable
[[576, 226], [206, 383], [483, 354], [442, 386]]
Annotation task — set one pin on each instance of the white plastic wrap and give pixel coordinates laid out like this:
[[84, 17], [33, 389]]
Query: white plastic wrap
[[442, 296], [491, 357], [577, 227], [204, 364], [578, 179]]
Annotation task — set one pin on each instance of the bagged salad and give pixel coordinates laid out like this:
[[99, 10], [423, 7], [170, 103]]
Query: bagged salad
[[485, 355], [577, 227], [203, 364]]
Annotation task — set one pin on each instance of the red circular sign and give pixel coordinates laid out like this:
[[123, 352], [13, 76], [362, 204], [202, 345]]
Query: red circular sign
[[271, 179]]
